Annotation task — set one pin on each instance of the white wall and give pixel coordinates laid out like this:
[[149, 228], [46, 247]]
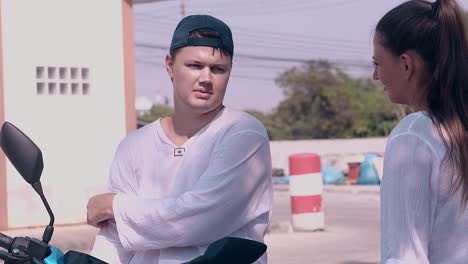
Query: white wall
[[77, 133], [346, 150]]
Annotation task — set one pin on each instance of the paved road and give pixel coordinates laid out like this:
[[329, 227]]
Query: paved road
[[351, 233], [351, 236]]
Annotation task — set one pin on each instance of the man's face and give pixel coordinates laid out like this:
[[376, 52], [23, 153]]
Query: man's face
[[200, 76]]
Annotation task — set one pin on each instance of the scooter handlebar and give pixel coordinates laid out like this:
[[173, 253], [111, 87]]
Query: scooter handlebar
[[5, 241]]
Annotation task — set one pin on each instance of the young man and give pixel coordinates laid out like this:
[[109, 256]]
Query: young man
[[189, 179]]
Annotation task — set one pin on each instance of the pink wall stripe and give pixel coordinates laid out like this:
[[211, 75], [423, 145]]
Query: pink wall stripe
[[129, 65], [3, 179]]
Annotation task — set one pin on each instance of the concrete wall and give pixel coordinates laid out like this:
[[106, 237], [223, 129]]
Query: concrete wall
[[330, 150], [64, 85]]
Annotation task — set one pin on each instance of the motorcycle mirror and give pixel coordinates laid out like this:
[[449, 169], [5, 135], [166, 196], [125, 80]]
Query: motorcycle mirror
[[231, 250], [25, 156]]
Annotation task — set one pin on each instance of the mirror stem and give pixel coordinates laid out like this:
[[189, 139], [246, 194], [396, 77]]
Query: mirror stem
[[50, 228]]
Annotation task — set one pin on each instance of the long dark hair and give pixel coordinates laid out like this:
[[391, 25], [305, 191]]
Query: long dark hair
[[435, 31]]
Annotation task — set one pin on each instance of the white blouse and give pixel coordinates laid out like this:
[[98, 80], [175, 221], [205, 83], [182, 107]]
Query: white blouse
[[421, 221]]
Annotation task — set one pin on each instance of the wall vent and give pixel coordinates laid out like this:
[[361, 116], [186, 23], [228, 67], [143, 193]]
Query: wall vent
[[63, 81]]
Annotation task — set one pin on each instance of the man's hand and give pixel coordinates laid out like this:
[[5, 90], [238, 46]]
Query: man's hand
[[100, 209]]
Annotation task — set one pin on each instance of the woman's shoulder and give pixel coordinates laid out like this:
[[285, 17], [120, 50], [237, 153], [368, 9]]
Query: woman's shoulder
[[418, 123], [420, 127]]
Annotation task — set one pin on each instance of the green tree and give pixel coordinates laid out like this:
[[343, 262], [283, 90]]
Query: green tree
[[274, 127], [156, 111], [324, 102]]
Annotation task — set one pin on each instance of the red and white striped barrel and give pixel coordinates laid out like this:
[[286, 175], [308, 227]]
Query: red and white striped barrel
[[305, 188]]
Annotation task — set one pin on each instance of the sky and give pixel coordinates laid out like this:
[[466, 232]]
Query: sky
[[269, 37]]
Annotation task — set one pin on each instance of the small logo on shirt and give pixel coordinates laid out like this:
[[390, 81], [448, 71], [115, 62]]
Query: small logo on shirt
[[178, 152]]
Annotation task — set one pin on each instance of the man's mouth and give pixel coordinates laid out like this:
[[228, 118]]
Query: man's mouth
[[203, 91]]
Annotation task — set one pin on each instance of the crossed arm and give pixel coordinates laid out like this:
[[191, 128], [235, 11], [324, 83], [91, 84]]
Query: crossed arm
[[100, 209], [234, 190]]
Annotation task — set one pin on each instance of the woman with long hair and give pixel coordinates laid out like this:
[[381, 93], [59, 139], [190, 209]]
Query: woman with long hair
[[420, 56]]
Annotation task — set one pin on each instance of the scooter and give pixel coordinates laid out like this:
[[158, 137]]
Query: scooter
[[26, 157]]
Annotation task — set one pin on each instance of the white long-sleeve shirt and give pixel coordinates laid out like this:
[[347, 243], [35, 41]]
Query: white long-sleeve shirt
[[170, 207], [421, 221]]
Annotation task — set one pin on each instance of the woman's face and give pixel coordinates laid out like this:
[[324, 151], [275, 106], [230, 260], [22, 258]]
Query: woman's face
[[391, 71]]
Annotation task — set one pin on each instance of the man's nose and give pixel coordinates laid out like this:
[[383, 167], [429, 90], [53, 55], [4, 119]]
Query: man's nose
[[375, 76], [205, 75]]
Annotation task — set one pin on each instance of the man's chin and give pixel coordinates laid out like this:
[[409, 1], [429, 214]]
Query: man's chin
[[207, 108]]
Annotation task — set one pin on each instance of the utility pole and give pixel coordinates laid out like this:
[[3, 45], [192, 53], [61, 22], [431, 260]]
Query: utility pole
[[182, 8]]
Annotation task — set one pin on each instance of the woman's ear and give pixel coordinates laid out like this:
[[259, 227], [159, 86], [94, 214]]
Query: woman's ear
[[170, 66], [408, 65]]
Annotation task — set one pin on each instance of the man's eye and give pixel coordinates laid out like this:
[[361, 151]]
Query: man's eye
[[195, 66], [218, 70]]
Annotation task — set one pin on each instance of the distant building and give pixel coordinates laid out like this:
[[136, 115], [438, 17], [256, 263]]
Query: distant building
[[63, 70], [142, 105], [161, 100]]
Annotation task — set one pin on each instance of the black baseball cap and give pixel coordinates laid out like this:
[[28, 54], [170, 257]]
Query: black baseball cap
[[188, 24]]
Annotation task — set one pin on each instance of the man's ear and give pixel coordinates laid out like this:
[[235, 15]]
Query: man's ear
[[170, 66], [408, 65]]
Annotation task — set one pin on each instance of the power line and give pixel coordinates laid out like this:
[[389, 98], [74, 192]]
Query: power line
[[275, 34], [277, 40], [161, 9], [247, 76], [293, 48], [279, 9], [354, 63], [266, 34], [327, 4]]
